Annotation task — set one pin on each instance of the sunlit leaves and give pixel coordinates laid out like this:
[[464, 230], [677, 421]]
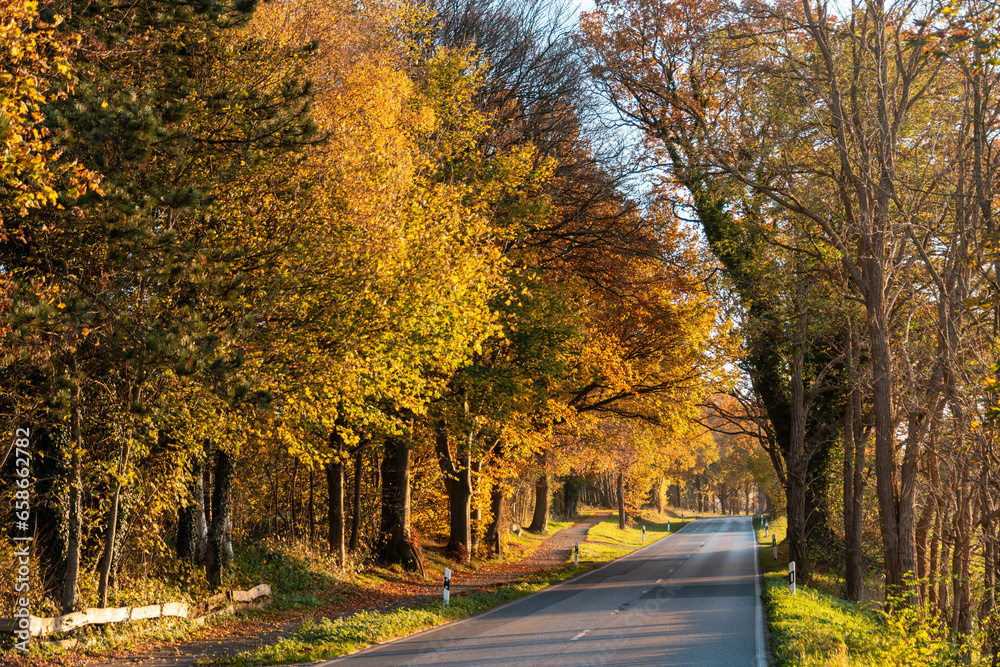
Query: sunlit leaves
[[34, 70]]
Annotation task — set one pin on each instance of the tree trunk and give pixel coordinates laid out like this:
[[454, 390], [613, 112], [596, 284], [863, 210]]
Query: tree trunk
[[201, 512], [621, 500], [923, 528], [796, 500], [797, 461], [335, 517], [700, 497], [50, 536], [335, 493], [356, 518], [475, 515], [293, 524], [961, 559], [943, 598], [987, 605], [396, 541], [219, 548], [458, 485], [312, 506], [933, 568], [109, 541], [540, 517], [208, 484], [493, 540], [192, 528], [74, 515], [854, 482]]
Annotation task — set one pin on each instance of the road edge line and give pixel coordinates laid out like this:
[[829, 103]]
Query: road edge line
[[758, 610]]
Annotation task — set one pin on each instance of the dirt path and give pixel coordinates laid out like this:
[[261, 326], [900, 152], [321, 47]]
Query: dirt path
[[235, 636]]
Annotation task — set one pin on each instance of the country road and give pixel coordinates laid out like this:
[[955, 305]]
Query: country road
[[690, 599]]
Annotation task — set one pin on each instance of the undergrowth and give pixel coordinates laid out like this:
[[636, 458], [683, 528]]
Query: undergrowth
[[300, 575], [813, 627]]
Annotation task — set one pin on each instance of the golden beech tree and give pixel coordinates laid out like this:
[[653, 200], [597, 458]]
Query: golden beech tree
[[396, 258]]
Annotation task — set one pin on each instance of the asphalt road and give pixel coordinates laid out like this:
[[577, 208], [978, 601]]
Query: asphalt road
[[690, 599]]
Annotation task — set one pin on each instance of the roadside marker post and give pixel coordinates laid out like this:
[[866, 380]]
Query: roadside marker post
[[668, 525], [791, 577], [447, 586], [576, 554], [643, 533], [774, 546]]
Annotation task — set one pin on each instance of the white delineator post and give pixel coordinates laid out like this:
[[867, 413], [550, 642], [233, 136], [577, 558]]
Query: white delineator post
[[576, 554], [791, 577], [774, 546], [447, 586], [643, 533]]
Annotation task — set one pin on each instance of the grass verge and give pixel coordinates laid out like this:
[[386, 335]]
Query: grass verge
[[813, 628], [632, 535]]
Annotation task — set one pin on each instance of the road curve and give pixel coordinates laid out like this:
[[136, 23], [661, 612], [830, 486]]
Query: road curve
[[690, 599]]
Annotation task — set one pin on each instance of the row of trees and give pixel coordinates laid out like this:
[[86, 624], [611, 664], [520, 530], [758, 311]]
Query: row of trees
[[840, 159], [262, 257]]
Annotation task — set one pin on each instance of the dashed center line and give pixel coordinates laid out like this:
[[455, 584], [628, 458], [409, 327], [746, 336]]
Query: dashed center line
[[573, 639]]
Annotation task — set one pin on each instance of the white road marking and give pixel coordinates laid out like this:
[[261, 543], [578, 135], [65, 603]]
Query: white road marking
[[758, 613], [579, 635]]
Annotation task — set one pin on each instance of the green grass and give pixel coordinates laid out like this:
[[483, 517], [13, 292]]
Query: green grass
[[608, 531], [528, 541], [779, 527], [813, 628], [328, 638], [606, 541], [601, 553]]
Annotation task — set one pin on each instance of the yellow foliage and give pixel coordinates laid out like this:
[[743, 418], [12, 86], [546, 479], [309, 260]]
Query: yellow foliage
[[33, 59]]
